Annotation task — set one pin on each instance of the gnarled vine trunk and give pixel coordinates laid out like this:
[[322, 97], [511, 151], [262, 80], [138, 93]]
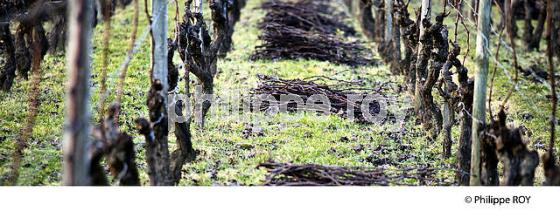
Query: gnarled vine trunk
[[199, 50]]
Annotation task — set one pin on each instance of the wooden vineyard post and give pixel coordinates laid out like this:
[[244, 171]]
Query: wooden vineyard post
[[426, 13], [160, 40], [77, 128], [159, 151], [480, 86]]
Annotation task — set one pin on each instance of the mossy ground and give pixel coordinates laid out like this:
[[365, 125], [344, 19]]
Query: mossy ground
[[227, 156]]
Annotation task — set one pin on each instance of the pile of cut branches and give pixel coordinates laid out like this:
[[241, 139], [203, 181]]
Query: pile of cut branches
[[310, 15], [288, 174], [301, 30], [338, 95]]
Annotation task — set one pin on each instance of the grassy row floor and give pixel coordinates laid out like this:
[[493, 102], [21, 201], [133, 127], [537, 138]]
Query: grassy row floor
[[227, 155]]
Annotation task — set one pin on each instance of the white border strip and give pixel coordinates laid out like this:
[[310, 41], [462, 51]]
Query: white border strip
[[271, 198]]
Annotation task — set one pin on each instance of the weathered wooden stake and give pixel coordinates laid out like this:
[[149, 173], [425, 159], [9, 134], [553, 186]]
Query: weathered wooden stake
[[77, 128], [160, 40], [481, 75]]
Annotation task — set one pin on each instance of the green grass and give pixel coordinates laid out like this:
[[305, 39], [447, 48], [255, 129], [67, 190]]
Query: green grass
[[226, 156]]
